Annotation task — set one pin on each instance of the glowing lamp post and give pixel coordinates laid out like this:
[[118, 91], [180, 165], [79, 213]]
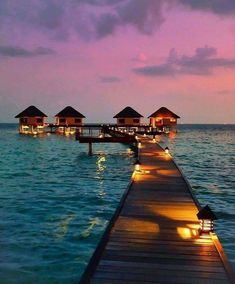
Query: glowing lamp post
[[206, 217], [137, 165], [167, 150]]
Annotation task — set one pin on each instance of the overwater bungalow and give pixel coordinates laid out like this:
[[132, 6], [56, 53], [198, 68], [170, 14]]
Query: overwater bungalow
[[31, 121], [68, 120], [163, 119], [128, 117]]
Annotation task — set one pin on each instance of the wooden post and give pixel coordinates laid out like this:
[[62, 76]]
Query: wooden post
[[90, 149]]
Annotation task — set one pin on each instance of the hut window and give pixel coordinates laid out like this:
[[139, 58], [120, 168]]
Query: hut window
[[62, 120], [121, 120], [136, 120], [173, 120], [23, 120], [39, 120], [77, 120]]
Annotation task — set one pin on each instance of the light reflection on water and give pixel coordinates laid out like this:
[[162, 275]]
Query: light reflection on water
[[56, 200]]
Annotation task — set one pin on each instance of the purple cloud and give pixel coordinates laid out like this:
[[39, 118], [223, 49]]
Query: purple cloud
[[203, 62], [16, 51], [219, 7], [95, 19]]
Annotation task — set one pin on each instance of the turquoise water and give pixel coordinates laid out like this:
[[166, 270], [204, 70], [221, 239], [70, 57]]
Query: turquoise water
[[56, 200]]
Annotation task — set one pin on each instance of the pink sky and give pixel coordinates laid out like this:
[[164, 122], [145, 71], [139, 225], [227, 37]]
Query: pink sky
[[103, 56]]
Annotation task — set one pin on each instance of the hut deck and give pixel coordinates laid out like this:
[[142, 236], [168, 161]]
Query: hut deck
[[153, 237]]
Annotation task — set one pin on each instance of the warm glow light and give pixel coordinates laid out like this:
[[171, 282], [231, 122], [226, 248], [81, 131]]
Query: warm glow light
[[185, 233], [167, 150], [154, 140], [137, 167], [206, 226]]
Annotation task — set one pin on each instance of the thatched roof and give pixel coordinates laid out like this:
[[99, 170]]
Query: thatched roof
[[128, 112], [163, 111], [69, 112], [31, 111]]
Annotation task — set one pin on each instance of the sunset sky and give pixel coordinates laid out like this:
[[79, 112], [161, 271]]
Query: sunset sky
[[102, 55]]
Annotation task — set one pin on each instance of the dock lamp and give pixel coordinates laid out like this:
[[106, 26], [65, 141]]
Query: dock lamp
[[206, 217], [167, 150], [137, 165]]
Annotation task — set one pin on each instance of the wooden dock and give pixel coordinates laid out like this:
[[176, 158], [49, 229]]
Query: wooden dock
[[153, 236]]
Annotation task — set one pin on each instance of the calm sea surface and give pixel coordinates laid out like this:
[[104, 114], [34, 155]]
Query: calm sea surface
[[56, 200]]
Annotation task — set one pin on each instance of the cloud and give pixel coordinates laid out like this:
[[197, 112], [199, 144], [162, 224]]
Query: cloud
[[16, 51], [95, 19], [109, 79], [220, 7], [88, 18], [50, 16], [106, 25], [110, 15], [155, 70], [203, 62]]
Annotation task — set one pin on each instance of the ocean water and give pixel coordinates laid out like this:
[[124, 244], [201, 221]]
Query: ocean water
[[56, 200]]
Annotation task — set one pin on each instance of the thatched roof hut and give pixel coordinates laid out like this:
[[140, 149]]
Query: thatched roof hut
[[69, 117], [128, 116], [163, 117]]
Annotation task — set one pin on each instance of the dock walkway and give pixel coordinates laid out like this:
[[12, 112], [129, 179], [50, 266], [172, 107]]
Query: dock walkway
[[153, 237]]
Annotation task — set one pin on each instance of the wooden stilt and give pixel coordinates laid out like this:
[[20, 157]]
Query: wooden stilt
[[90, 149]]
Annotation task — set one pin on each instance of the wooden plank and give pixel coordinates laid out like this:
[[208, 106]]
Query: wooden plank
[[156, 266], [164, 257], [172, 251], [155, 279], [157, 273]]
